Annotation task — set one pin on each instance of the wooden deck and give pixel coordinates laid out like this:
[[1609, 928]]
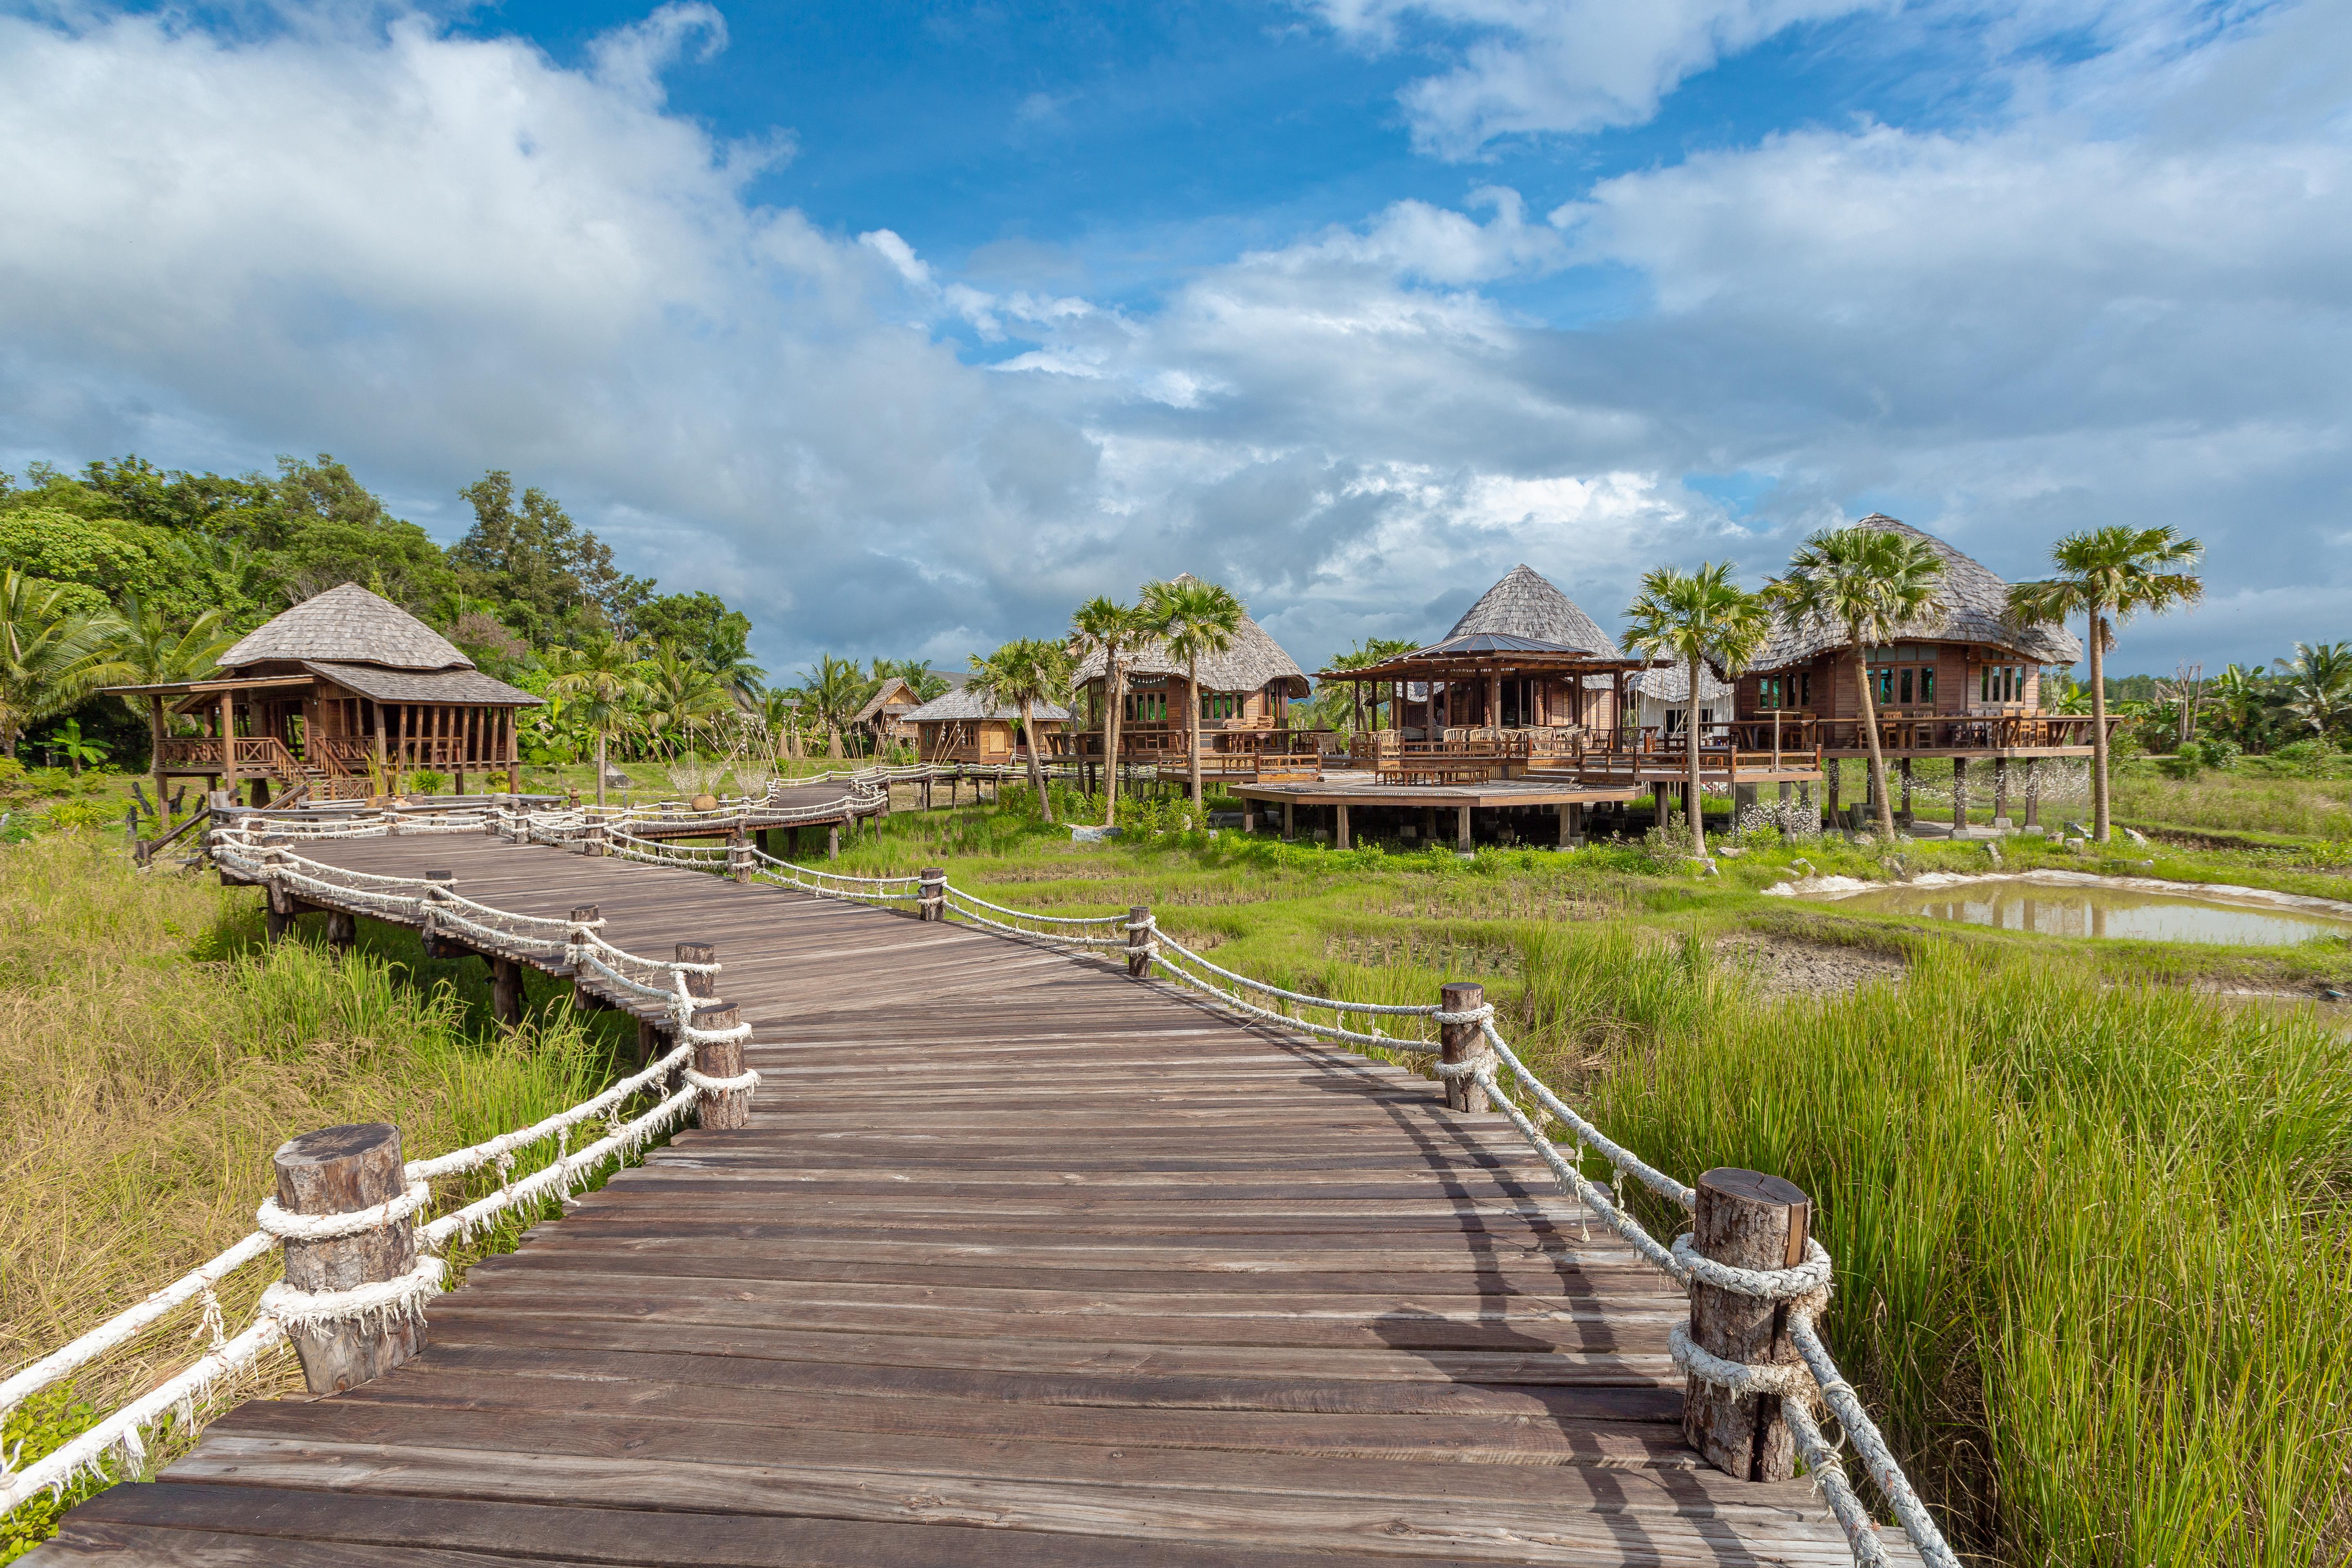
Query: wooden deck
[[1020, 1262]]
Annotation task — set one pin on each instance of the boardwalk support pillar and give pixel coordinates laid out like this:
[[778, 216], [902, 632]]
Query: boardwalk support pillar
[[439, 885], [506, 990], [283, 906], [338, 1170], [1139, 940], [833, 842], [721, 1060], [933, 904], [1460, 1043], [343, 930], [1461, 827], [702, 986], [1747, 1220]]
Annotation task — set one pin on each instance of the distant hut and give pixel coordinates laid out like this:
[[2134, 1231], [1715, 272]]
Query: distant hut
[[885, 715], [1660, 699], [960, 727], [1244, 695], [346, 693]]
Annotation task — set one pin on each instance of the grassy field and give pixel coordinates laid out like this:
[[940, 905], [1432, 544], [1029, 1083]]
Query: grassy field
[[152, 1054]]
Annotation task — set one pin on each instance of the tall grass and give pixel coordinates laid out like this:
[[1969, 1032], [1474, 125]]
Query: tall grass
[[153, 1054], [2232, 801], [2091, 1246]]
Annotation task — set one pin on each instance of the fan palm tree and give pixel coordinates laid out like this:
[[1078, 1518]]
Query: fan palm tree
[[1021, 675], [1104, 625], [51, 655], [2317, 685], [598, 681], [156, 654], [1868, 582], [1697, 618], [1195, 619], [2107, 575], [833, 693]]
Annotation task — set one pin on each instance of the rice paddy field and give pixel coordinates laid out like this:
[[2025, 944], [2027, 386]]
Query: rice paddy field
[[2089, 1199]]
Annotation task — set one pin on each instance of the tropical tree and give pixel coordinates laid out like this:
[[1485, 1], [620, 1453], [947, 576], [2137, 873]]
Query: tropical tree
[[832, 694], [598, 681], [2317, 685], [2107, 575], [157, 654], [1195, 619], [681, 696], [1102, 625], [1021, 675], [925, 682], [2242, 695], [779, 717], [1697, 618], [1867, 582], [1358, 713], [51, 656]]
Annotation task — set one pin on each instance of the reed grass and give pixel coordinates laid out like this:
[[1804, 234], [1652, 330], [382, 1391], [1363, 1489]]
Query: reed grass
[[2231, 801]]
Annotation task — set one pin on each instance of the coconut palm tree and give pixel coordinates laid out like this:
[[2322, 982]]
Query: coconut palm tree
[[832, 693], [2241, 693], [1021, 674], [681, 696], [1868, 582], [2107, 575], [1195, 619], [51, 655], [2317, 685], [1697, 618], [598, 681], [926, 683], [156, 654], [1104, 625]]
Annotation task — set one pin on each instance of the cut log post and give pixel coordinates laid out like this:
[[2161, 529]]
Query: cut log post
[[283, 906], [591, 842], [933, 904], [506, 990], [2000, 792], [440, 884], [1747, 1220], [1339, 826], [343, 930], [649, 1042], [1903, 818], [1138, 942], [337, 1171], [1289, 821], [1460, 1042], [1461, 827], [702, 985], [738, 856], [720, 1059], [833, 842], [1959, 794]]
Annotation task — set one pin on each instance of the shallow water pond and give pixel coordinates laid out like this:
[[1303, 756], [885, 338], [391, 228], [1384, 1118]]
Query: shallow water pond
[[2057, 910]]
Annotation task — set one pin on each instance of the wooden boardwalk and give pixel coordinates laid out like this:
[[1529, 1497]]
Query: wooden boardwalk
[[1019, 1262]]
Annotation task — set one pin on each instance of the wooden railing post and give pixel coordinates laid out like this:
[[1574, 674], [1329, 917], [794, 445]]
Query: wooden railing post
[[337, 1171], [1138, 942], [738, 856], [703, 988], [721, 1060], [1460, 1042], [283, 906], [440, 884], [1747, 1220], [933, 904]]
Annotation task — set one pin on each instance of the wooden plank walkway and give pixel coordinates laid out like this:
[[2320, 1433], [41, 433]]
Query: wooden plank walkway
[[1020, 1261]]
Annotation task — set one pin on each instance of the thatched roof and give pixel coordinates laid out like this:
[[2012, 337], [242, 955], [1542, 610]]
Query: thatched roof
[[892, 689], [1974, 609], [1254, 660], [460, 686], [1673, 685], [350, 626], [1524, 603], [965, 706]]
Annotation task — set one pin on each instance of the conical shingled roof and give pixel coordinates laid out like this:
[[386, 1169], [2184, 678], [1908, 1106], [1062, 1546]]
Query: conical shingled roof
[[347, 626], [1524, 603], [1973, 608], [1253, 661]]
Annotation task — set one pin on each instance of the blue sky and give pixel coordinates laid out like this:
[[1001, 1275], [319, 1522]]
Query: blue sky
[[908, 326]]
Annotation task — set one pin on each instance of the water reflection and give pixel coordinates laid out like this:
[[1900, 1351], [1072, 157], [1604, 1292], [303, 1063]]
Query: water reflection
[[2048, 911]]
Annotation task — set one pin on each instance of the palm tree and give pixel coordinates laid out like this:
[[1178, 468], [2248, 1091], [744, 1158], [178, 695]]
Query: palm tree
[[1361, 713], [598, 681], [2240, 694], [51, 655], [2317, 688], [1103, 624], [1195, 619], [926, 683], [1021, 674], [1699, 618], [680, 694], [2107, 575], [156, 655], [833, 692], [1869, 582]]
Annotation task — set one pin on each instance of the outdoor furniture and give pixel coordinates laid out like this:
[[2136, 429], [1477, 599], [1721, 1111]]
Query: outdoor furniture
[[1299, 767], [1435, 770]]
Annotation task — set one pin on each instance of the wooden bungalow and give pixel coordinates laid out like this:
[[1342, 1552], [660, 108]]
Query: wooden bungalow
[[1243, 697], [345, 693], [1960, 683], [960, 727], [1662, 704], [885, 715]]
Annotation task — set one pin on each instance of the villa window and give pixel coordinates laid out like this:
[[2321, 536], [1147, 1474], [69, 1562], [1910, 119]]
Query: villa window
[[1147, 707], [2002, 683], [1222, 705], [1773, 691], [1901, 683]]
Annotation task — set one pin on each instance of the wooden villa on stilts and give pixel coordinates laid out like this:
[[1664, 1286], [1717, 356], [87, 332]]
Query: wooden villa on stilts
[[958, 727], [1244, 699], [347, 694]]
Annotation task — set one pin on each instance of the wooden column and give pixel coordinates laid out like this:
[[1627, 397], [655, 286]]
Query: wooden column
[[1903, 818], [337, 1171], [1747, 1220], [701, 987], [1959, 793], [506, 990], [343, 930], [2033, 795], [1138, 942], [1339, 826], [382, 750], [1459, 1042], [1835, 771], [1289, 821], [2000, 792], [228, 741], [1658, 806], [1572, 823], [1462, 828], [833, 842], [933, 904], [720, 1059]]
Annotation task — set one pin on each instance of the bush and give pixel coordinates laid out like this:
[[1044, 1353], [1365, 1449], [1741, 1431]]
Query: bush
[[77, 816], [424, 781], [2216, 753]]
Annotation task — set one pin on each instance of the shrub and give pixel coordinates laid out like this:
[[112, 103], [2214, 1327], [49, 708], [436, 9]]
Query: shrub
[[424, 781]]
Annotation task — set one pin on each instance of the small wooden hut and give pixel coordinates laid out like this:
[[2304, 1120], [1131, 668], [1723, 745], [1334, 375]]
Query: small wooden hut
[[1245, 697], [960, 727], [884, 714], [346, 693]]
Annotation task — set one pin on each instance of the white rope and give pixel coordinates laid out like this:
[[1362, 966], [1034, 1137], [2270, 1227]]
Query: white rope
[[747, 1078], [290, 1227], [1780, 1380], [378, 1303]]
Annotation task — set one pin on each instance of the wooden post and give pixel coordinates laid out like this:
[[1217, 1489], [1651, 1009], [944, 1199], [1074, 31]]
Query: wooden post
[[1835, 769], [703, 988], [2033, 795], [2000, 792], [1903, 818], [1461, 827], [283, 906], [649, 1042], [833, 841], [738, 856], [506, 990], [440, 882], [1571, 824], [720, 1059], [1747, 1220], [343, 930], [337, 1171], [933, 904], [1289, 821], [1138, 942], [1459, 1042], [1339, 826], [1959, 794]]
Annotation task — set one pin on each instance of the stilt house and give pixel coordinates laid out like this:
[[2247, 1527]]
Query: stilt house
[[1243, 697], [961, 728]]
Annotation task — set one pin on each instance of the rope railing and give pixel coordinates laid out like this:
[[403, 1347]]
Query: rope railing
[[697, 1022]]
